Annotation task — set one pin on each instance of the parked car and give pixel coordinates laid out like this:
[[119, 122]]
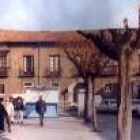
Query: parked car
[[108, 105], [136, 106], [111, 105]]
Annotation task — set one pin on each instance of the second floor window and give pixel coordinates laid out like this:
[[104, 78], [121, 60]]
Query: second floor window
[[28, 63], [54, 62], [3, 61], [1, 88], [139, 63]]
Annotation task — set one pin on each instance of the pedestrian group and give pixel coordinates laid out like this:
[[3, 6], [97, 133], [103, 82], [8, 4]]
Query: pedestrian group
[[12, 112]]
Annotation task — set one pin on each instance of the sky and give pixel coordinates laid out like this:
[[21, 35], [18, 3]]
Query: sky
[[67, 14]]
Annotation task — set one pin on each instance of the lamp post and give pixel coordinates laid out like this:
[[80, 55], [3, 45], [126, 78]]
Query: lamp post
[[125, 21]]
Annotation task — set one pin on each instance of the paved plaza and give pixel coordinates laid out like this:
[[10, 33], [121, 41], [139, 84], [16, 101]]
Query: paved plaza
[[67, 128]]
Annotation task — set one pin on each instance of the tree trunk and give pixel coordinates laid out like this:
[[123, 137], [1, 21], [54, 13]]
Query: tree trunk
[[86, 102], [90, 94], [94, 113], [124, 108]]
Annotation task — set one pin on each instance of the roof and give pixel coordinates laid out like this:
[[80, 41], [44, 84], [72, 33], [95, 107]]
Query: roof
[[39, 36]]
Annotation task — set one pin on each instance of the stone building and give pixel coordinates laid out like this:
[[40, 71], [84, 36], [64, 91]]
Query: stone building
[[29, 59]]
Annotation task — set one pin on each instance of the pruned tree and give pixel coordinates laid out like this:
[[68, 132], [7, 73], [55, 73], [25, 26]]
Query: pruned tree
[[119, 45], [89, 63]]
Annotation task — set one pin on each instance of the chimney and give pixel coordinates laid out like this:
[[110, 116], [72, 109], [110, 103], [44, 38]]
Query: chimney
[[125, 22]]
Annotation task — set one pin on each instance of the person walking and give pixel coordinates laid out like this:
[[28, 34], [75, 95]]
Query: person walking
[[19, 108], [10, 109], [3, 116], [41, 109]]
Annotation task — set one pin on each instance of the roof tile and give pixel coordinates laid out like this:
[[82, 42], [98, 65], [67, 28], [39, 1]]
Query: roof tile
[[33, 36]]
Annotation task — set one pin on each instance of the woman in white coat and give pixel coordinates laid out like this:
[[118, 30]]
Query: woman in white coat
[[10, 109]]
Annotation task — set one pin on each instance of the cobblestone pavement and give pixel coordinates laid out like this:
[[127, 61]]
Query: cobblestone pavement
[[67, 128]]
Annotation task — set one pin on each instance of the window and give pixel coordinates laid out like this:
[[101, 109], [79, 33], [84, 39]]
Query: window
[[1, 88], [28, 63], [29, 84], [55, 84], [139, 61], [3, 60], [54, 62]]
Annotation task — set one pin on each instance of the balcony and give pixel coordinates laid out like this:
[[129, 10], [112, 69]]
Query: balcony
[[26, 73], [111, 70], [53, 74], [3, 72]]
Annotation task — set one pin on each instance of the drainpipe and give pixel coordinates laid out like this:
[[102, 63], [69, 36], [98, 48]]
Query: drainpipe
[[38, 75]]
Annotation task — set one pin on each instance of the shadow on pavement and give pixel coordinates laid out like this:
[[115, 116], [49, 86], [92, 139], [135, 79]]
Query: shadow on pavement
[[106, 130]]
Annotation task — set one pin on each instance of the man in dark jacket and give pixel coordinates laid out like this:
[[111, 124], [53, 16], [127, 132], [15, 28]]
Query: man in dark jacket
[[19, 109], [3, 115], [40, 109]]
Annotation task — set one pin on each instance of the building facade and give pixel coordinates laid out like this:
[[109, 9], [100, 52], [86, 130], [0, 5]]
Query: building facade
[[29, 59]]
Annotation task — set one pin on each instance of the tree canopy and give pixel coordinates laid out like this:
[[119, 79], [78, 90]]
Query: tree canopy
[[111, 42]]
